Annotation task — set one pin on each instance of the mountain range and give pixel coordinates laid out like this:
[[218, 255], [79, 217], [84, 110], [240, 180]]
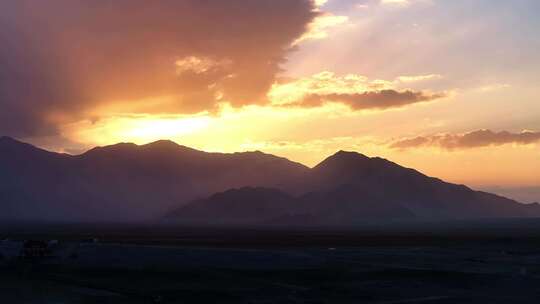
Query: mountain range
[[164, 181]]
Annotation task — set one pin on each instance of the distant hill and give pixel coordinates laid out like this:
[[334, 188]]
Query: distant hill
[[264, 206], [247, 205], [131, 183], [349, 188]]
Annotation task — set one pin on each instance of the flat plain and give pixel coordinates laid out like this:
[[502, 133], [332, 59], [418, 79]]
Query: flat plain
[[495, 264]]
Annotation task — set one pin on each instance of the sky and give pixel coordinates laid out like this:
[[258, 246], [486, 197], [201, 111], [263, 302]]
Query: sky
[[448, 87]]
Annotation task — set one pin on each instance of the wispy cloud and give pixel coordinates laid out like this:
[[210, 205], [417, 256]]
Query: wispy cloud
[[320, 27], [474, 139], [406, 79], [395, 2], [493, 87], [403, 3]]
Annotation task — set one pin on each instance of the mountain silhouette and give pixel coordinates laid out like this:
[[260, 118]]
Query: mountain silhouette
[[131, 183], [125, 182], [349, 188], [425, 196]]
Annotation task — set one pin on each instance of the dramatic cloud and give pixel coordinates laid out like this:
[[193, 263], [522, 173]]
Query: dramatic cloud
[[355, 91], [475, 139], [63, 59]]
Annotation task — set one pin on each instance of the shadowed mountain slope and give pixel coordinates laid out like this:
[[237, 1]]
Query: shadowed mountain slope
[[125, 182]]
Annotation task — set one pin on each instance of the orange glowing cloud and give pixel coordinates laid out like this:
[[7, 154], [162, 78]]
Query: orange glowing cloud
[[352, 90]]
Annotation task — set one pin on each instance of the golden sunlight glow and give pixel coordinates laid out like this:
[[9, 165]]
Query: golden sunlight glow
[[308, 135], [150, 129], [138, 129], [231, 130]]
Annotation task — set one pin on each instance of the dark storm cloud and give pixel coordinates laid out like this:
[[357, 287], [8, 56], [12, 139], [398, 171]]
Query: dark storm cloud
[[480, 138], [377, 100], [61, 58]]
